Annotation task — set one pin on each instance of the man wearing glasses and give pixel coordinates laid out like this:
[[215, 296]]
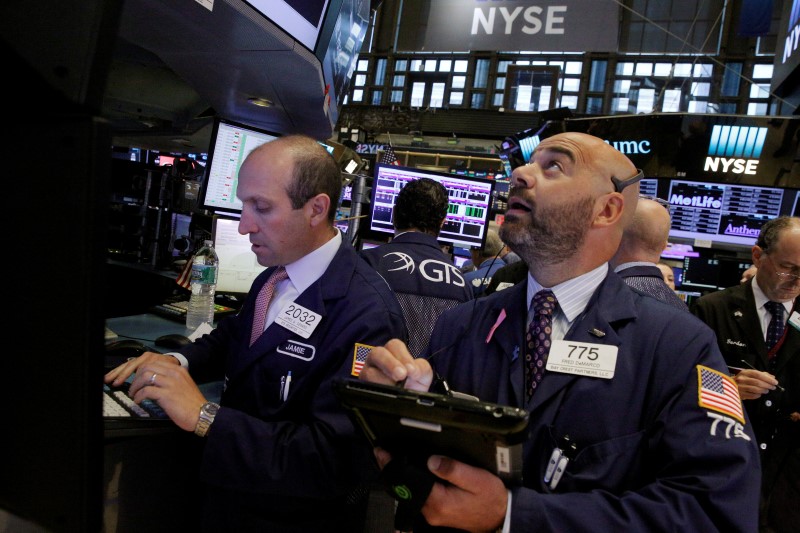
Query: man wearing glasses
[[758, 331]]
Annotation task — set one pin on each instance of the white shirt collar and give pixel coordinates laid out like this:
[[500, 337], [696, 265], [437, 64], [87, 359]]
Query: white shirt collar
[[311, 266], [630, 264], [573, 295]]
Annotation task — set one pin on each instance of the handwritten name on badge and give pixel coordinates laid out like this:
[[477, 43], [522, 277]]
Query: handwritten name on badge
[[298, 319], [582, 359]]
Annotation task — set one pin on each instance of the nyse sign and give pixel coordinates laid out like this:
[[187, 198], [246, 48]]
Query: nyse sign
[[463, 25]]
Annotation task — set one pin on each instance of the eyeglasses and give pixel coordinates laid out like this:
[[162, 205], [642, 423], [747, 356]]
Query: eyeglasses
[[784, 276], [619, 184], [660, 201]]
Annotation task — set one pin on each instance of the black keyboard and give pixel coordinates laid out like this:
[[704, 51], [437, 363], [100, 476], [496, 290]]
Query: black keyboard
[[117, 404]]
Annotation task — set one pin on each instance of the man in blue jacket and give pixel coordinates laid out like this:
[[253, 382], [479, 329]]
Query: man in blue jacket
[[281, 454], [649, 425], [421, 275]]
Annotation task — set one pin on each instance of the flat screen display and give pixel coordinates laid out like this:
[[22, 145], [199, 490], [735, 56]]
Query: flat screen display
[[230, 144], [712, 273], [467, 215], [237, 262], [302, 19], [721, 212]]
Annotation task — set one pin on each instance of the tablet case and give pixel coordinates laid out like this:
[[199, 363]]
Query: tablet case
[[419, 424]]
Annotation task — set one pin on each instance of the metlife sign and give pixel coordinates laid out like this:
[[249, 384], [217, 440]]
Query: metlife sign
[[508, 25]]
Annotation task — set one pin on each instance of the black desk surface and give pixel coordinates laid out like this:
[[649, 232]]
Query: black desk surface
[[146, 327]]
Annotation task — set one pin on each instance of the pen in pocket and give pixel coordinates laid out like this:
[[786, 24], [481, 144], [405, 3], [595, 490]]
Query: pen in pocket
[[285, 387]]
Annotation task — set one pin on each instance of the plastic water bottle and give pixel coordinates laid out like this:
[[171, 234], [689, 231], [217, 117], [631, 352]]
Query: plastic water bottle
[[205, 266]]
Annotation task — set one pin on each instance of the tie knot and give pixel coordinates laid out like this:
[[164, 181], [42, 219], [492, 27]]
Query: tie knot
[[775, 308], [280, 274], [544, 302]]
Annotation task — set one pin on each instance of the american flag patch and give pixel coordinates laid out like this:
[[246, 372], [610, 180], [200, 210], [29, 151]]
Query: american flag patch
[[360, 353], [718, 392]]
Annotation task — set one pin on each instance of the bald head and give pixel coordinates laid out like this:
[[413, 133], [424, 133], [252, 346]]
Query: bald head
[[646, 235], [569, 205], [602, 164]]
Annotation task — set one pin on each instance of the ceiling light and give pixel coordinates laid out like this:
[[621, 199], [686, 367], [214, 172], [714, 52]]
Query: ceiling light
[[260, 102]]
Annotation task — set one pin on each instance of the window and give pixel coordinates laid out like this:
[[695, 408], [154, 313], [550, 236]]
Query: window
[[531, 88]]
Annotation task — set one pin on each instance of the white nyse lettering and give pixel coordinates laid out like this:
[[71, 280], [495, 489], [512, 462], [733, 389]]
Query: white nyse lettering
[[791, 43], [510, 17], [535, 23], [479, 18], [484, 21], [552, 20]]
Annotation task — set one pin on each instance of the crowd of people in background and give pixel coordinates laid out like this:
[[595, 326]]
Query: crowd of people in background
[[650, 431]]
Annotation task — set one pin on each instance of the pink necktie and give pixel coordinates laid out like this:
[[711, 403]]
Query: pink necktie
[[538, 338], [262, 302]]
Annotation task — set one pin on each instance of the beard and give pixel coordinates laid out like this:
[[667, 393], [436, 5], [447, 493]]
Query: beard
[[554, 234]]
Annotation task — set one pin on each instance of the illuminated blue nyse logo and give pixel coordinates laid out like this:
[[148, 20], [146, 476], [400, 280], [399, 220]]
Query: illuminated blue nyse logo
[[735, 149], [737, 141]]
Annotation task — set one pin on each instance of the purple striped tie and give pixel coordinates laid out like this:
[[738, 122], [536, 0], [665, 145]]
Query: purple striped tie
[[537, 341]]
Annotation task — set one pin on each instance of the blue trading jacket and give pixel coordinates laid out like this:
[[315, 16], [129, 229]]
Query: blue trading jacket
[[650, 456]]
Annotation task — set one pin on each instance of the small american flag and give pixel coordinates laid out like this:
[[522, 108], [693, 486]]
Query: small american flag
[[389, 157], [360, 354], [719, 392], [185, 277]]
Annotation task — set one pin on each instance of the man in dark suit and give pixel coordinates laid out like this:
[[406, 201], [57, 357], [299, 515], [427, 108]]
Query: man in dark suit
[[421, 275], [661, 445], [766, 363], [640, 249], [281, 454]]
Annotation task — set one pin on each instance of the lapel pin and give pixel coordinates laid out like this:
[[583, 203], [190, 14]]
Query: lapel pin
[[737, 314], [597, 333]]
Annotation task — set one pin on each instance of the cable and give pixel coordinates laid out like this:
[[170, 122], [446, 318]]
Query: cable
[[483, 279]]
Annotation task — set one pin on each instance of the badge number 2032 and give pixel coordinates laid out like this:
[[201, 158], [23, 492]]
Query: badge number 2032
[[298, 319], [582, 359]]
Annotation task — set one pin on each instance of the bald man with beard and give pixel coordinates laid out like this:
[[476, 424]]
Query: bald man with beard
[[636, 260], [651, 447]]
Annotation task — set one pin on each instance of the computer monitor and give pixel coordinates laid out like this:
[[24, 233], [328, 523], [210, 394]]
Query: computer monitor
[[706, 274], [237, 262], [459, 260], [470, 200], [230, 144], [721, 213]]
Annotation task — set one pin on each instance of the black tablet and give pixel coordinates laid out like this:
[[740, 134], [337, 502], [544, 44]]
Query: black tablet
[[420, 424]]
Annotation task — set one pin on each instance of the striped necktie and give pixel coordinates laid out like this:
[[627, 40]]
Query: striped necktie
[[263, 300], [537, 341]]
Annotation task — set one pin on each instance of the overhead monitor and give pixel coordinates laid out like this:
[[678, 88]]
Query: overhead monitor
[[230, 144], [796, 208], [301, 19], [467, 215], [721, 213], [708, 274], [237, 262]]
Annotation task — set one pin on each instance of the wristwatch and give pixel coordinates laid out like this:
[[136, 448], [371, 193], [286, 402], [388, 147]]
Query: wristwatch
[[207, 414]]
